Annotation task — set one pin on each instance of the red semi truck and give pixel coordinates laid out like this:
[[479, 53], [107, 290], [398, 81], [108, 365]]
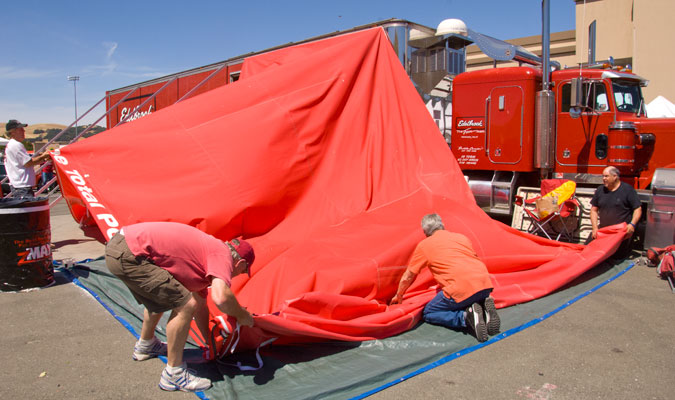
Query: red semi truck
[[503, 139]]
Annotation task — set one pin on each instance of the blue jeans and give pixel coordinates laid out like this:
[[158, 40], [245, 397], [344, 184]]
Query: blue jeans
[[46, 177], [445, 312], [21, 193]]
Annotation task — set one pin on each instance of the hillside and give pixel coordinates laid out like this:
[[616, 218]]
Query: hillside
[[45, 132], [30, 129]]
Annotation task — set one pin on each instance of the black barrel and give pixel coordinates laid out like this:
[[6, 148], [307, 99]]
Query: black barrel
[[25, 237]]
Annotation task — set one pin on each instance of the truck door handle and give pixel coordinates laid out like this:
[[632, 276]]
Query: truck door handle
[[487, 118]]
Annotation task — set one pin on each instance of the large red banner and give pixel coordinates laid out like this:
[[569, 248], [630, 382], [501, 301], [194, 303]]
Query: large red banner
[[324, 156]]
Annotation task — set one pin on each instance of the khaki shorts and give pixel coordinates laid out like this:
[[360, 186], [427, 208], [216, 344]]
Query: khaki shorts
[[152, 286]]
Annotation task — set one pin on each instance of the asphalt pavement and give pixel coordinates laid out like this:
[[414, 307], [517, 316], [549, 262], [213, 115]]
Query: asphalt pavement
[[616, 343], [60, 343]]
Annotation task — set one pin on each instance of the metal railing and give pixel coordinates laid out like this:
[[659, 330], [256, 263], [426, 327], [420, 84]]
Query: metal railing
[[47, 187]]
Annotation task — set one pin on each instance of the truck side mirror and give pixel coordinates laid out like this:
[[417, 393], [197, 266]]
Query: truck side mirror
[[577, 98]]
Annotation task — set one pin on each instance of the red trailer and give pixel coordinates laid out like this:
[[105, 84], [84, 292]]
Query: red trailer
[[140, 101], [135, 101]]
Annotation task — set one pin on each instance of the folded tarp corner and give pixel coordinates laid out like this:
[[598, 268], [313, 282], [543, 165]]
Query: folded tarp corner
[[325, 157]]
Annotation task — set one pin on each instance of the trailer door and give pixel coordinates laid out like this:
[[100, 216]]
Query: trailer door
[[505, 125]]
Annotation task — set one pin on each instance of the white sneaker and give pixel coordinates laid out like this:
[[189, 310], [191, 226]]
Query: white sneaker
[[184, 381], [141, 353]]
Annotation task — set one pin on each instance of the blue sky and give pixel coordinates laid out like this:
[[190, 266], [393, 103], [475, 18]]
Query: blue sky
[[114, 44]]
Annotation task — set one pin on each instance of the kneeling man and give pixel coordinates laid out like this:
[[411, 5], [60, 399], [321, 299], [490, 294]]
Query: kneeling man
[[464, 299]]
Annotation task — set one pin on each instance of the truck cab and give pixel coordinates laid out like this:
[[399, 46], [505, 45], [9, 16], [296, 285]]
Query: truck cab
[[602, 120], [587, 107], [597, 118]]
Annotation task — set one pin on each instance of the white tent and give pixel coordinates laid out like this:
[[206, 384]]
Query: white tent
[[3, 141], [660, 107]]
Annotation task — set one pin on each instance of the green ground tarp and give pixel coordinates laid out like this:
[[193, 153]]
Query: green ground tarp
[[336, 370]]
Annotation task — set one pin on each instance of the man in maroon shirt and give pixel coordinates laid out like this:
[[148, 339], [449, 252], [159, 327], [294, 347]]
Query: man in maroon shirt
[[169, 266]]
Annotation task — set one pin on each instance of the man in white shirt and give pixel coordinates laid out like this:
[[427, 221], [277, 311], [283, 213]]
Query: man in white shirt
[[18, 163]]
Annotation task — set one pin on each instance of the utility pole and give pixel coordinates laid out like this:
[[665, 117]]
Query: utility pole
[[74, 79]]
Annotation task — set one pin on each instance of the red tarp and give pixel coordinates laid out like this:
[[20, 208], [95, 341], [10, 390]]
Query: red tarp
[[325, 157]]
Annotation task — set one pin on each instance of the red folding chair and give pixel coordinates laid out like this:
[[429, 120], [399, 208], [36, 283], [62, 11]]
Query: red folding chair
[[562, 220]]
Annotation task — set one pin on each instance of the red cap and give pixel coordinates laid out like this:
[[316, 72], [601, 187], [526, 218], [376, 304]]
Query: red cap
[[244, 249]]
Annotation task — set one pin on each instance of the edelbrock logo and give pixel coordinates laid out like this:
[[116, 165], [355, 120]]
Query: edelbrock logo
[[466, 123], [134, 113]]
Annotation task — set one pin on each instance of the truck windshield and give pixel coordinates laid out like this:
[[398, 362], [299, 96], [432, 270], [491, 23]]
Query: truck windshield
[[628, 96]]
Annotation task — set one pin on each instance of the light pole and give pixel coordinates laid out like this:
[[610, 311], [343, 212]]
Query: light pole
[[75, 78]]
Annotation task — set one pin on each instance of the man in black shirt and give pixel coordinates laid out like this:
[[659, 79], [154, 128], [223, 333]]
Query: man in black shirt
[[615, 202]]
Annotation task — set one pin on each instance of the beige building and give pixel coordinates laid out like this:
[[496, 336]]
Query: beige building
[[563, 50], [638, 33]]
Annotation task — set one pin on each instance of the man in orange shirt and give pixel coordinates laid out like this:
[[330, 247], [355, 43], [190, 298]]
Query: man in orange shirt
[[464, 300]]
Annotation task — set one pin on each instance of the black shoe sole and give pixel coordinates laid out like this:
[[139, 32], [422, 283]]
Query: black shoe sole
[[493, 322], [479, 328]]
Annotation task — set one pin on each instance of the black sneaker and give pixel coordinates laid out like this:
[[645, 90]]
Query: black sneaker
[[475, 322], [491, 317]]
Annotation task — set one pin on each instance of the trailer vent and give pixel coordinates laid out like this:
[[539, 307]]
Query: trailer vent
[[439, 59]]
